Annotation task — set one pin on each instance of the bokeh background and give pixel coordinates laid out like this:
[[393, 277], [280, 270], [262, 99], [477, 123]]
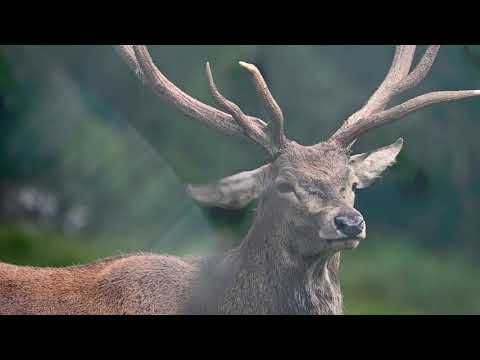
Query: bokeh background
[[92, 164]]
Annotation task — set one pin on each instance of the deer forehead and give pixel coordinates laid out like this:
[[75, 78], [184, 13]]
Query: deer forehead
[[311, 165]]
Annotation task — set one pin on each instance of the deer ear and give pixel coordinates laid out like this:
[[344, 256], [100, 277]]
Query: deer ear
[[369, 166], [232, 192]]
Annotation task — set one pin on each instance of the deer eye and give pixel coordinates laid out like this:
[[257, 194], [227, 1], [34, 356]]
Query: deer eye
[[284, 187]]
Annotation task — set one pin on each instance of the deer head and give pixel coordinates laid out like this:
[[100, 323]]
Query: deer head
[[309, 189]]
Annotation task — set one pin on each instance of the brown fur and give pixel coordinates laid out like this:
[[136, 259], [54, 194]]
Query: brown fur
[[121, 285]]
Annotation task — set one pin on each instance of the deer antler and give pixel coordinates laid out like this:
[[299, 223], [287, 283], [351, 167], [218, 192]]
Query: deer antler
[[275, 113], [233, 123], [398, 79]]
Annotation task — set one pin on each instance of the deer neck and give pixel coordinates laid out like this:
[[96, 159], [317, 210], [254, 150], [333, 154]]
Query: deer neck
[[266, 277]]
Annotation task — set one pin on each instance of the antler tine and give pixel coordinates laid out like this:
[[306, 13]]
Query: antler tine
[[243, 120], [128, 55], [402, 61], [274, 111], [140, 62], [400, 111], [374, 114]]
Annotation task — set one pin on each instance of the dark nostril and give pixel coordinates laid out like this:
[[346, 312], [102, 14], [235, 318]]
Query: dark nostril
[[349, 225]]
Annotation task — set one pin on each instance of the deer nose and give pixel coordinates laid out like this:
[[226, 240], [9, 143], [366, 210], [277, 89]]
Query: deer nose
[[349, 224]]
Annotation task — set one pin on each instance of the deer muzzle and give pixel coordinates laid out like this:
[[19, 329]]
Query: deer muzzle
[[349, 224]]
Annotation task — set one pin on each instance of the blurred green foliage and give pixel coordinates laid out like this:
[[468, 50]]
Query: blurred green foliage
[[71, 119], [29, 246]]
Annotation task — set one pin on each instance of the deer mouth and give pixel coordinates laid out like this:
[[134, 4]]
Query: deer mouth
[[345, 243]]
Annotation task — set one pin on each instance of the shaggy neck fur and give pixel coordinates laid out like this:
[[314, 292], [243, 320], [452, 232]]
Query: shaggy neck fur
[[264, 276]]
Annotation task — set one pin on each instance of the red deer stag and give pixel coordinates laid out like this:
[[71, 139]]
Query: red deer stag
[[288, 263]]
